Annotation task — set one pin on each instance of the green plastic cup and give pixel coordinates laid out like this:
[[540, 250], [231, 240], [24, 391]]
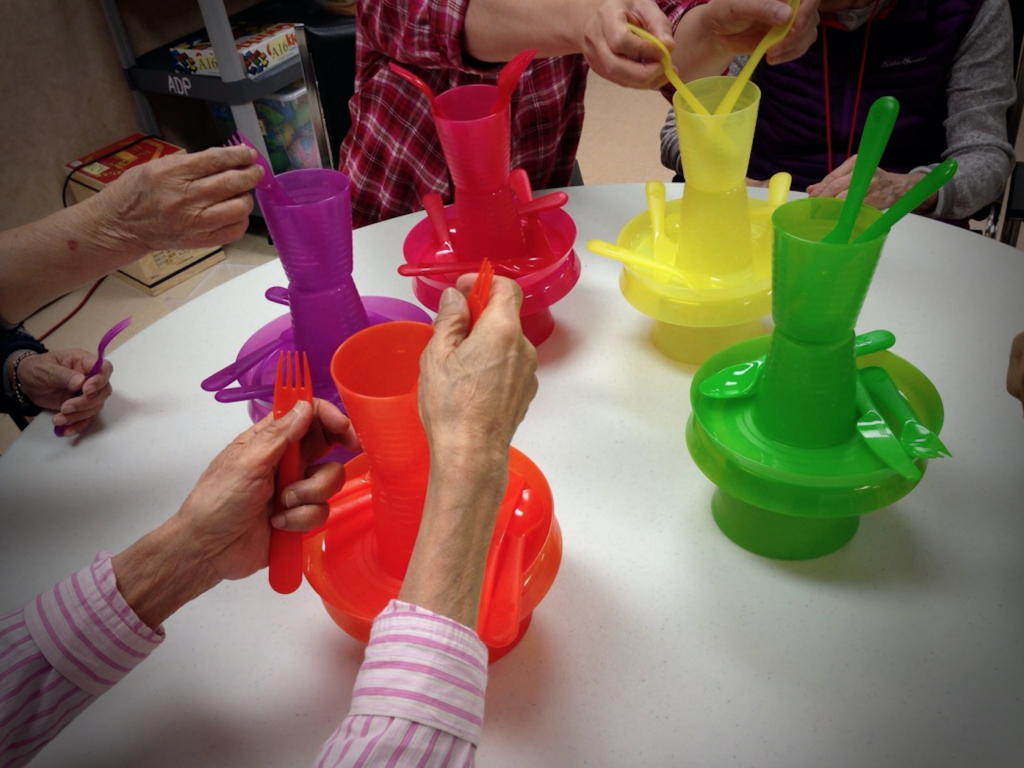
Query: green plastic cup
[[818, 289], [806, 396], [715, 149]]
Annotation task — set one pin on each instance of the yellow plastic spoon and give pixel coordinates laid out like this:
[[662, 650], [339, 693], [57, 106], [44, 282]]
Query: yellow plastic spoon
[[664, 248], [626, 256], [772, 36], [778, 191], [670, 72]]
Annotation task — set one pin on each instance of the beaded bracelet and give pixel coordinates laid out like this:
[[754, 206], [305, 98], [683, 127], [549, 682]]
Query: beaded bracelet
[[23, 401]]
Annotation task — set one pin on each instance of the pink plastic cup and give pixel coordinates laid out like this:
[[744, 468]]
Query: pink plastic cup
[[476, 143], [376, 371], [488, 226]]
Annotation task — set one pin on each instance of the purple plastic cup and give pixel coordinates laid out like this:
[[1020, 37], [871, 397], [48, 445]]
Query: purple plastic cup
[[314, 235]]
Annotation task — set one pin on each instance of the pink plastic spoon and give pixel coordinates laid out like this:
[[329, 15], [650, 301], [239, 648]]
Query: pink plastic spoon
[[418, 82], [509, 77]]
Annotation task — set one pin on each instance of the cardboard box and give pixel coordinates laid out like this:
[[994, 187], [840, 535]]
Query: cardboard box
[[262, 47], [158, 271]]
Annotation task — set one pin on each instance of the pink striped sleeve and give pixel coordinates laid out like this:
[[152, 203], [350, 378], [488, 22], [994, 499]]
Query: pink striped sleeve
[[419, 696], [61, 651]]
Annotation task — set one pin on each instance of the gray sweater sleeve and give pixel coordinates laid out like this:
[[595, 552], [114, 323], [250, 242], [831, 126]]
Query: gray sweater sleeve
[[980, 90]]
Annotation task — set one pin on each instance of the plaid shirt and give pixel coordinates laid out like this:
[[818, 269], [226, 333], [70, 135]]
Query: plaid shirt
[[392, 153]]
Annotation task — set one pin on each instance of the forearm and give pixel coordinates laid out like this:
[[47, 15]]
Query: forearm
[[446, 569], [161, 572], [496, 30], [44, 260]]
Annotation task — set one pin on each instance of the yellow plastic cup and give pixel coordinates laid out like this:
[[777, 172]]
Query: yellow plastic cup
[[715, 149]]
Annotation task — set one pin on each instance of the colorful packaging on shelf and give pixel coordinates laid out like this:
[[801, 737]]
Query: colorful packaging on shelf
[[288, 128], [155, 272], [262, 47]]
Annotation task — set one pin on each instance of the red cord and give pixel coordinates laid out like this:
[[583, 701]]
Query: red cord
[[828, 109], [860, 77], [856, 99], [74, 311]]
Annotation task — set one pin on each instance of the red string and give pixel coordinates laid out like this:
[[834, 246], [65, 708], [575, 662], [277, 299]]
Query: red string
[[860, 81], [860, 78], [828, 109]]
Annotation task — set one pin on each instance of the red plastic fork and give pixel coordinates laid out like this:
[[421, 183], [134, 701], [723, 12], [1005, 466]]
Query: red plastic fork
[[481, 291], [290, 386]]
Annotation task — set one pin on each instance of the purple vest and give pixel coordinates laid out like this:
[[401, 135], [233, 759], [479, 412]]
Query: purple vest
[[909, 55]]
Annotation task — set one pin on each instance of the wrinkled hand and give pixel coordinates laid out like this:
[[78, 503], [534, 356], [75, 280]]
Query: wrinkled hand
[[187, 200], [474, 388], [884, 190], [228, 513], [1015, 370], [615, 53], [739, 25], [56, 381], [222, 531]]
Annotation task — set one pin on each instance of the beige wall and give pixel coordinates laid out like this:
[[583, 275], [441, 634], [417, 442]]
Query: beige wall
[[64, 94]]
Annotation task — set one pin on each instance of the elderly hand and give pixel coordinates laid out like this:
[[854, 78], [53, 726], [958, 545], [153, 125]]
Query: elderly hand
[[57, 381], [884, 190], [615, 53], [739, 25], [475, 388], [222, 531], [194, 200], [1015, 370]]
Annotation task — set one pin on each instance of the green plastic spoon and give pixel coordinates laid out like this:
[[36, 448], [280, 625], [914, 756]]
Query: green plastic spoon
[[916, 195], [877, 129]]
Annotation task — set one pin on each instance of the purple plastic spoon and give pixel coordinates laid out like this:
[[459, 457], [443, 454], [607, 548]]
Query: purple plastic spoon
[[104, 341]]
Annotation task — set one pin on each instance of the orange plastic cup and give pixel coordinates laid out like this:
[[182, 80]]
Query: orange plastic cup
[[376, 371]]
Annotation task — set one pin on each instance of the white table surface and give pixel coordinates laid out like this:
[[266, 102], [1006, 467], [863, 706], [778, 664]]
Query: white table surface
[[660, 642]]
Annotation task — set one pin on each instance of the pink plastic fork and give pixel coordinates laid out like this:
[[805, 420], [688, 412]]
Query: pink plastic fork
[[104, 341], [269, 182]]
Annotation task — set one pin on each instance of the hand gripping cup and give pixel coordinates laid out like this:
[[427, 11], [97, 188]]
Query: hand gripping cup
[[357, 562]]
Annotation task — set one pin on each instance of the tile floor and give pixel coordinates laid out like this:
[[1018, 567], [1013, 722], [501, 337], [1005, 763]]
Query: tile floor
[[620, 144]]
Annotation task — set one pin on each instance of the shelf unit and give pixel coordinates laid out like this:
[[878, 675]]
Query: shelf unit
[[153, 72]]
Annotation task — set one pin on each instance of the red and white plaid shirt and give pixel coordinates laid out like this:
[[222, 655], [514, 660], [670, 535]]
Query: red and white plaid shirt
[[392, 153]]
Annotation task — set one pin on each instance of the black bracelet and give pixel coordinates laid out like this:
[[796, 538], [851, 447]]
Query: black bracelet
[[23, 401]]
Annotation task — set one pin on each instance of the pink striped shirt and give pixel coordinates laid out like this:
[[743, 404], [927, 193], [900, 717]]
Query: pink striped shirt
[[418, 700]]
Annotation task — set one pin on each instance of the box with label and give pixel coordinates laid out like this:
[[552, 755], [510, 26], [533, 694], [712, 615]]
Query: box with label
[[160, 270], [262, 46], [288, 128]]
